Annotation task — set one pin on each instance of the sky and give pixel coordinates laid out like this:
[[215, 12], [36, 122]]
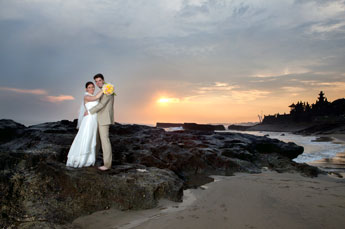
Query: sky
[[205, 61]]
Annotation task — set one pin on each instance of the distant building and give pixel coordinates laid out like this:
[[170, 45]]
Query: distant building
[[304, 112]]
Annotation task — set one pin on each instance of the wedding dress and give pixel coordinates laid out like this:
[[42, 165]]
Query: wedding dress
[[83, 149]]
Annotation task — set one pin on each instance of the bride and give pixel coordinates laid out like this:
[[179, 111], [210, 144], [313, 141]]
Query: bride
[[83, 150]]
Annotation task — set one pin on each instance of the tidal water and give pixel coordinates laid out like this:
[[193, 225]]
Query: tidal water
[[327, 155]]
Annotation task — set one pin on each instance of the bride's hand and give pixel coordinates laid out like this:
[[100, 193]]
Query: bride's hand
[[99, 94], [95, 97]]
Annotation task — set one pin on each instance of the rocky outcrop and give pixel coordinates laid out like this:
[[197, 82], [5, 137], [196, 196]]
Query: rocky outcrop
[[238, 127], [168, 125], [10, 130], [202, 127], [191, 126], [148, 164], [323, 128], [37, 190]]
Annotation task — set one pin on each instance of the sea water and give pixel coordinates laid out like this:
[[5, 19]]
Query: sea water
[[314, 150], [326, 155]]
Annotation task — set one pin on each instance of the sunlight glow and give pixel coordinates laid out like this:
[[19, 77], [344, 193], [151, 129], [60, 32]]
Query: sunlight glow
[[164, 100]]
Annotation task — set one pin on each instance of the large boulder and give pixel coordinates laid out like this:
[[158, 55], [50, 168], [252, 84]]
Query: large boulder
[[202, 127], [10, 130], [238, 127], [168, 125], [35, 189]]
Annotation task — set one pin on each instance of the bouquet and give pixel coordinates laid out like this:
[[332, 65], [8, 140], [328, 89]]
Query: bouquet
[[108, 89]]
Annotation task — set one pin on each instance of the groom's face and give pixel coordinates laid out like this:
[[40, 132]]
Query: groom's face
[[99, 82]]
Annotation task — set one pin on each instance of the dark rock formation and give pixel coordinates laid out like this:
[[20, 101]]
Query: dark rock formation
[[148, 164], [10, 130], [168, 125], [191, 126], [36, 189], [202, 127], [324, 128], [238, 127]]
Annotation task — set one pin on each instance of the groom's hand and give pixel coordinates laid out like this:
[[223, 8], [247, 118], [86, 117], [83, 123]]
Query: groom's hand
[[85, 113]]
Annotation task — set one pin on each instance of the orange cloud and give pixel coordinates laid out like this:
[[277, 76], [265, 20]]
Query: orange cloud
[[57, 99], [48, 98], [25, 91]]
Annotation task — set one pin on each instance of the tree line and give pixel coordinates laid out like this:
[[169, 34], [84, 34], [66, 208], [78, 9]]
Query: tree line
[[322, 109]]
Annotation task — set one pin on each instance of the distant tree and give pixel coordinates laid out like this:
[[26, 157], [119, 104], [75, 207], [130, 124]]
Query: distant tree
[[303, 111], [292, 107], [308, 108], [338, 107]]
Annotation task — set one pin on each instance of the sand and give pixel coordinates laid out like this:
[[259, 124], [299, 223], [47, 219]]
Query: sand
[[289, 127], [338, 138], [266, 200]]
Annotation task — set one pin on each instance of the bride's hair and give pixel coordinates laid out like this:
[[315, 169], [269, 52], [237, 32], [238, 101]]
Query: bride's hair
[[88, 83]]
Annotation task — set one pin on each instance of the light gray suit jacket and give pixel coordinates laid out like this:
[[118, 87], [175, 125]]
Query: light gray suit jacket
[[104, 110]]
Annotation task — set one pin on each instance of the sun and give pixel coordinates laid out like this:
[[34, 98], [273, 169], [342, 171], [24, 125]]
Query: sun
[[165, 100]]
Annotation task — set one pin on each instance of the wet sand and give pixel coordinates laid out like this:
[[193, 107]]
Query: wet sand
[[340, 138], [266, 200], [336, 163]]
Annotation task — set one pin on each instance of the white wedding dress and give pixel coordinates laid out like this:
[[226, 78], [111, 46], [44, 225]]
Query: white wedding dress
[[83, 149]]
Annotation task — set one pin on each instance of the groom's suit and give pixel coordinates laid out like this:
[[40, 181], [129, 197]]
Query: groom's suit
[[105, 117]]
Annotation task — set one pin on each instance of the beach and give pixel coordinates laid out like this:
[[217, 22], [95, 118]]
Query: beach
[[325, 151], [266, 200], [335, 163]]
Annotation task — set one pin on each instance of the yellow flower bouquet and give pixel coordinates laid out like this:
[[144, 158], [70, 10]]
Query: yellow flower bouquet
[[108, 89]]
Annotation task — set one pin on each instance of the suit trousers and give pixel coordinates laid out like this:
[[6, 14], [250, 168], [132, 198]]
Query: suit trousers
[[103, 139]]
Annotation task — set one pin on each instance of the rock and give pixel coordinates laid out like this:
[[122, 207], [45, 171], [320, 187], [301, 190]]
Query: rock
[[238, 153], [10, 130], [323, 139], [148, 164], [266, 145], [63, 126], [238, 127], [168, 125], [44, 190], [202, 127]]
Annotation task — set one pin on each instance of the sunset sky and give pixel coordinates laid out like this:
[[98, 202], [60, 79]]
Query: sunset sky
[[205, 61]]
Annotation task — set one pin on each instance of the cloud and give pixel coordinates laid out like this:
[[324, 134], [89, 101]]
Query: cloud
[[293, 89], [245, 96], [286, 71], [221, 92], [25, 91], [325, 28], [225, 49], [216, 87], [46, 97], [57, 99]]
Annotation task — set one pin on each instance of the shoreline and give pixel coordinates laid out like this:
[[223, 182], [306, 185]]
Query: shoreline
[[266, 200], [335, 164]]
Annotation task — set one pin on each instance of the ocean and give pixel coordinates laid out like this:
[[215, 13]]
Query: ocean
[[326, 155]]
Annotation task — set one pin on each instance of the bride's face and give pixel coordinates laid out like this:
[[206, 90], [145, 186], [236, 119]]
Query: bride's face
[[90, 89]]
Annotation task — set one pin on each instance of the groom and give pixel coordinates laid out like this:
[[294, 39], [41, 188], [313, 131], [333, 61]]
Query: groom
[[105, 117]]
